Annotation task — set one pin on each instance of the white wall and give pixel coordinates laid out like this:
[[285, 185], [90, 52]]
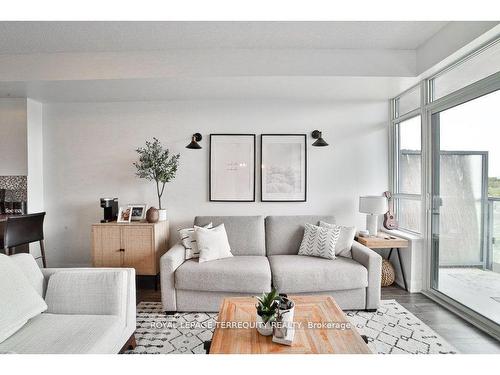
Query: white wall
[[13, 145], [35, 156], [89, 150], [34, 113]]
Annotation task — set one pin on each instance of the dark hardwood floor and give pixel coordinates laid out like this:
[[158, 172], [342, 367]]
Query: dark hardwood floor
[[461, 334]]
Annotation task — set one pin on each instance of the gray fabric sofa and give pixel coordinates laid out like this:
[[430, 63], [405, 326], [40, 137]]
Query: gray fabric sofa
[[265, 255], [90, 310]]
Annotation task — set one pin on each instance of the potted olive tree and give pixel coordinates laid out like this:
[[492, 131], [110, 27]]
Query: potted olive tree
[[156, 164]]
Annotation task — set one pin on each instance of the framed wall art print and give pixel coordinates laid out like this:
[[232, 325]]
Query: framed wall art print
[[232, 168], [283, 168]]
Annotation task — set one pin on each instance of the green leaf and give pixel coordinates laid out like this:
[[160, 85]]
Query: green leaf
[[156, 164]]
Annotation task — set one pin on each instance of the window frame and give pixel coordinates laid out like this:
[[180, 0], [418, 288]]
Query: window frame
[[431, 80], [394, 141], [429, 105]]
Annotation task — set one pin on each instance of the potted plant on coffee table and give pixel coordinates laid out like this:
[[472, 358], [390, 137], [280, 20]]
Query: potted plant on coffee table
[[156, 164], [266, 312]]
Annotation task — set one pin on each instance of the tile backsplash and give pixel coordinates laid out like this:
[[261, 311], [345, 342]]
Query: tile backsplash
[[16, 186]]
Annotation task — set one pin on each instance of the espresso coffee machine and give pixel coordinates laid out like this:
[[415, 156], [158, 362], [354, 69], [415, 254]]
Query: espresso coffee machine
[[110, 206]]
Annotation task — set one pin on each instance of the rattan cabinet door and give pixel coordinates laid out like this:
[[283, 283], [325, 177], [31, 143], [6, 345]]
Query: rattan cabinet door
[[107, 249], [138, 242]]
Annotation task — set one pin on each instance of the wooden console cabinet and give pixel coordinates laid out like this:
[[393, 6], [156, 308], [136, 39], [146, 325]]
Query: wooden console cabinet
[[136, 245]]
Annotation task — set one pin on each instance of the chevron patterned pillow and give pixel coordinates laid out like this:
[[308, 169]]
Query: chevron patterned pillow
[[319, 242], [346, 238]]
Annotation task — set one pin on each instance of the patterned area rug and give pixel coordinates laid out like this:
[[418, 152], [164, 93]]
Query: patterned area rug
[[390, 330]]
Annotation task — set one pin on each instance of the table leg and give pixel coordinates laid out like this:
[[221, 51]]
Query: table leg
[[390, 253], [402, 269]]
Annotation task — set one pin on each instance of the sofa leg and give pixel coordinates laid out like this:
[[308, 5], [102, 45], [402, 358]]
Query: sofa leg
[[207, 345], [170, 312], [130, 344], [371, 310]]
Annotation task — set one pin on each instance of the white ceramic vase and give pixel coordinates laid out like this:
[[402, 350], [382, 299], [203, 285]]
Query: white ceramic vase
[[162, 215], [264, 329]]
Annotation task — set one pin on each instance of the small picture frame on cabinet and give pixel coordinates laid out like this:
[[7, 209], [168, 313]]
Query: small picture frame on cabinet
[[124, 215], [138, 212]]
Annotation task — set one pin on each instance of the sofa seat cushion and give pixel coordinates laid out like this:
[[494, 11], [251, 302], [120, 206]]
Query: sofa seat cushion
[[65, 334], [302, 274], [245, 274]]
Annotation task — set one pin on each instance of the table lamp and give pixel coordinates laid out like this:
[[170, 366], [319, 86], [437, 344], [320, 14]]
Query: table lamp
[[372, 206]]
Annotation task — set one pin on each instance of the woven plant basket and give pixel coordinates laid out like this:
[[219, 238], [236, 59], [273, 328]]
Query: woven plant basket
[[388, 274]]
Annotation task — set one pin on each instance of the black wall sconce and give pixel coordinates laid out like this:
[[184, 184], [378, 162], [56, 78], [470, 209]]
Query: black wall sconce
[[194, 141], [320, 142]]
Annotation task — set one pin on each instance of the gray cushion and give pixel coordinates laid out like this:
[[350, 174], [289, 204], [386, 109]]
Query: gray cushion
[[300, 274], [90, 292], [246, 274], [245, 233], [284, 233], [66, 334]]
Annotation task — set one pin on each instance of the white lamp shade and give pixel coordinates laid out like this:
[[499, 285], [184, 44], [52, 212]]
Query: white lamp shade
[[374, 205]]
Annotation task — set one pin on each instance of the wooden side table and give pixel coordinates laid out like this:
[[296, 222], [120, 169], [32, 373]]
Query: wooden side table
[[137, 245], [388, 241]]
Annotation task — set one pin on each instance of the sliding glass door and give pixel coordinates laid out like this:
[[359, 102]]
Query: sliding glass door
[[465, 212]]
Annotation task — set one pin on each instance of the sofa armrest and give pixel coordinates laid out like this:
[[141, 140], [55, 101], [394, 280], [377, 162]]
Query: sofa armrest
[[373, 263], [169, 262], [94, 291]]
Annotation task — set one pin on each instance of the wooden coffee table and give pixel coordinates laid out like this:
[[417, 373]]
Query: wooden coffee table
[[317, 309]]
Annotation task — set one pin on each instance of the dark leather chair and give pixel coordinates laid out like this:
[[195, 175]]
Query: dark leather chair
[[22, 230]]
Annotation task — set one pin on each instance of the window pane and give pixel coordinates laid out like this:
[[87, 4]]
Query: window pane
[[408, 102], [471, 70], [409, 214], [409, 156]]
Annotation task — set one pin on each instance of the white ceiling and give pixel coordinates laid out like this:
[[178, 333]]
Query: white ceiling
[[48, 37], [126, 61], [213, 88]]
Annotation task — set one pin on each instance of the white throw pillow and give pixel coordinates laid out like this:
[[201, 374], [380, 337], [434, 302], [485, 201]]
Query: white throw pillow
[[213, 243], [346, 238], [319, 241], [188, 240], [19, 301]]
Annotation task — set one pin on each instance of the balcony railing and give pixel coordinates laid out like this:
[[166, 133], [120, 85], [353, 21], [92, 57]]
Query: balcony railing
[[492, 260]]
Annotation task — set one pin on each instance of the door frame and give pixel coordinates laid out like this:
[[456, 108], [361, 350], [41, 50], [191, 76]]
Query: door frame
[[473, 91]]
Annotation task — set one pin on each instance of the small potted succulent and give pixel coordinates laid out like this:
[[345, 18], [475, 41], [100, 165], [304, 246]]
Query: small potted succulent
[[267, 307], [156, 164]]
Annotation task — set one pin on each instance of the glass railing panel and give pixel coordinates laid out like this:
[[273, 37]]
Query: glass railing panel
[[495, 235]]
